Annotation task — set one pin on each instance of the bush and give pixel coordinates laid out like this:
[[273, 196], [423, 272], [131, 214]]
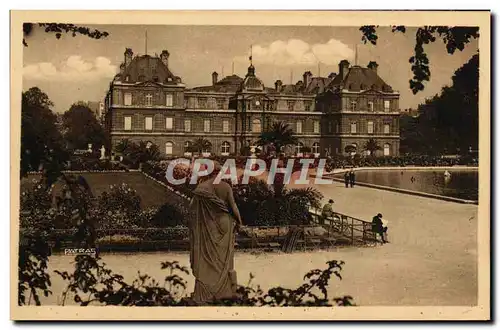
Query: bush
[[120, 199], [167, 216], [118, 239]]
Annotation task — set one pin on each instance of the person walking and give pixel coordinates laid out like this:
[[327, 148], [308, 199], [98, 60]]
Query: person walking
[[352, 178], [378, 227], [346, 179]]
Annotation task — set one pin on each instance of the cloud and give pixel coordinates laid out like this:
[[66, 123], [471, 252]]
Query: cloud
[[73, 69], [299, 52]]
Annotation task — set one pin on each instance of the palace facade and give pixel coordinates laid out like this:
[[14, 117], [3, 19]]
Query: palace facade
[[147, 102]]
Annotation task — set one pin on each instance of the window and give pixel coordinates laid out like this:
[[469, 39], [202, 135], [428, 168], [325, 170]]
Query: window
[[387, 149], [206, 125], [370, 106], [169, 101], [225, 148], [290, 104], [225, 126], [298, 148], [329, 127], [148, 123], [353, 128], [387, 129], [127, 78], [187, 125], [256, 126], [315, 148], [149, 100], [128, 123], [220, 103], [353, 105], [370, 127], [207, 147], [299, 127], [337, 128], [127, 99], [316, 126], [387, 105], [169, 123], [149, 144], [307, 105], [169, 148], [202, 102], [212, 104], [187, 146]]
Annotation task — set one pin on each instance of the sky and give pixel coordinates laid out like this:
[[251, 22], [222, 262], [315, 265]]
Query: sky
[[79, 68]]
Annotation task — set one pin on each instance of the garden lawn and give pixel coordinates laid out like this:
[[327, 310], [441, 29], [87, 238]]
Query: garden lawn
[[152, 193]]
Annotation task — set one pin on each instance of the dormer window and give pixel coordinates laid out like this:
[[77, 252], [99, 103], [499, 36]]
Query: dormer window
[[353, 105], [127, 78], [149, 100]]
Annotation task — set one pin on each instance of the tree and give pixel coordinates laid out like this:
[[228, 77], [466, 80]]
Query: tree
[[59, 28], [280, 135], [448, 122], [41, 142], [453, 37], [81, 127], [201, 145], [372, 146]]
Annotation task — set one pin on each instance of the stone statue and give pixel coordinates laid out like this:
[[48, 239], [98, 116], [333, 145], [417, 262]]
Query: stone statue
[[212, 237], [103, 152]]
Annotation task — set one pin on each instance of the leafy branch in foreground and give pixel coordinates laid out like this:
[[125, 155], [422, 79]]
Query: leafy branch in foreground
[[453, 37], [59, 28], [91, 282]]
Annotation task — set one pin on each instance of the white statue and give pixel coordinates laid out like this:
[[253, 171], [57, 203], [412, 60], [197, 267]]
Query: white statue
[[103, 152], [89, 147]]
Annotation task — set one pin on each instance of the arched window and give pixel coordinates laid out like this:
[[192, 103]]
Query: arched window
[[169, 148], [207, 147], [256, 126], [315, 148], [187, 146], [298, 148], [387, 149], [225, 147]]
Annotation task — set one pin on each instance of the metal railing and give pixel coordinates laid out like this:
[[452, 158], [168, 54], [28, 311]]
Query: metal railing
[[355, 230]]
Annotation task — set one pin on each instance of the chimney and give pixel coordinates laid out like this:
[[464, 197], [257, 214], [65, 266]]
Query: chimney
[[307, 78], [277, 85], [128, 56], [343, 68], [373, 66], [214, 77], [164, 57]]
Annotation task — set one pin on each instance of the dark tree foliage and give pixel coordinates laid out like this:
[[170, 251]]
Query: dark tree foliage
[[280, 135], [453, 37], [448, 122], [41, 143], [59, 28], [372, 146], [81, 128]]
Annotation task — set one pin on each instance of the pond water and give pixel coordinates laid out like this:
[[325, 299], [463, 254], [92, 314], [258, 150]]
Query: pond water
[[461, 184]]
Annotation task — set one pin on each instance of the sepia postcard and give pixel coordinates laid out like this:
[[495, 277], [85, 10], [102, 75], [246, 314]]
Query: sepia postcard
[[250, 165]]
